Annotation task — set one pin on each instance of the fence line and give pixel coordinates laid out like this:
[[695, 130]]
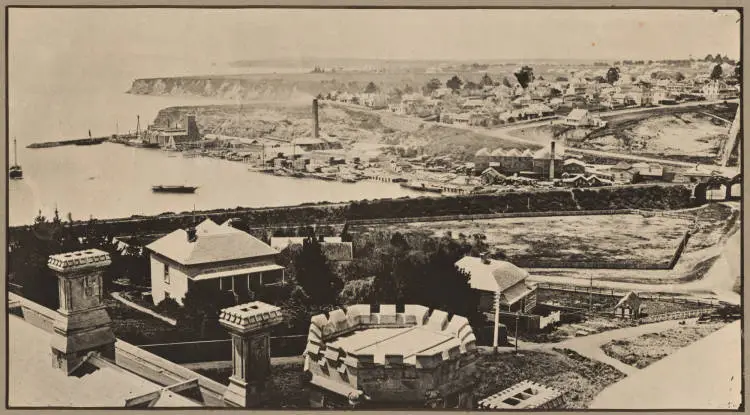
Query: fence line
[[611, 292], [676, 315]]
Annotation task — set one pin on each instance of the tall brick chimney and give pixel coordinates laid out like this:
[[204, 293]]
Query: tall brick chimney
[[552, 160], [192, 128], [249, 326], [316, 125], [82, 324]]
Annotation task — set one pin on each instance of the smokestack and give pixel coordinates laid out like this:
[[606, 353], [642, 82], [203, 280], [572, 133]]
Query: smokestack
[[552, 160], [316, 126]]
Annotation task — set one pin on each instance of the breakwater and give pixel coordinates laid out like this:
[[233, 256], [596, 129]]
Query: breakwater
[[657, 196], [76, 142]]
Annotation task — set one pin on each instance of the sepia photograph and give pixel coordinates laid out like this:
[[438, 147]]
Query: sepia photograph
[[374, 208]]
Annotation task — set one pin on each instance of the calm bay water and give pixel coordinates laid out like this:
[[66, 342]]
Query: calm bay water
[[111, 180]]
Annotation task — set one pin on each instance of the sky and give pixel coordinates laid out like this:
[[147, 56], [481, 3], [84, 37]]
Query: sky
[[54, 36]]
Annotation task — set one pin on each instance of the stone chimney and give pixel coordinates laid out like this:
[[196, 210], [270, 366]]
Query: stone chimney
[[82, 324], [485, 256], [552, 160], [192, 234], [316, 126], [249, 325]]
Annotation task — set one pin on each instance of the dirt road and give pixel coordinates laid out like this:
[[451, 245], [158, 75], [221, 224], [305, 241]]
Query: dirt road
[[704, 375]]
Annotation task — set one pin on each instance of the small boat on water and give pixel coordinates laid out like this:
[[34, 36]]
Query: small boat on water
[[174, 189], [15, 171], [422, 187]]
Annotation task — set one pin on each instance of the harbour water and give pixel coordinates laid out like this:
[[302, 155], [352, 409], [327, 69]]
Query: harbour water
[[111, 181], [57, 102]]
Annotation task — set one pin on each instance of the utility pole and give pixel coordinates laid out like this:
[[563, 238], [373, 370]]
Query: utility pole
[[497, 319], [518, 316]]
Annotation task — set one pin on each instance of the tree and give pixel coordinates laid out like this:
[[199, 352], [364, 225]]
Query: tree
[[371, 88], [315, 274], [201, 308], [506, 82], [738, 71], [716, 72], [679, 76], [709, 58], [718, 59], [554, 93], [613, 74], [358, 291], [471, 86], [408, 89], [486, 80], [433, 85], [525, 76], [454, 83]]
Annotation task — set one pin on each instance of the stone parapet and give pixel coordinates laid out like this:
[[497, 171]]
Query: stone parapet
[[326, 329], [79, 260]]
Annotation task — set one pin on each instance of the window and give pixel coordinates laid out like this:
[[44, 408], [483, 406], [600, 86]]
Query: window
[[166, 274]]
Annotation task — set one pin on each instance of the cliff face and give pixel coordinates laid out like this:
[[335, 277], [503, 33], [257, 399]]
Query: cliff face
[[243, 89]]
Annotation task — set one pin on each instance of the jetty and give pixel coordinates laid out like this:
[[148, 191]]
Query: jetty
[[75, 142]]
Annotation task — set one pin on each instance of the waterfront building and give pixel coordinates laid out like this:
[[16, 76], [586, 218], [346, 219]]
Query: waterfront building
[[390, 356], [574, 166], [173, 137], [548, 162], [211, 255]]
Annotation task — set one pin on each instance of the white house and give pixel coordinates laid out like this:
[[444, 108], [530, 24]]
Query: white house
[[211, 256], [578, 118]]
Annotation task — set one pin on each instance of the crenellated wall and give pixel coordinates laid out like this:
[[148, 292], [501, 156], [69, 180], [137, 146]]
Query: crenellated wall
[[445, 366]]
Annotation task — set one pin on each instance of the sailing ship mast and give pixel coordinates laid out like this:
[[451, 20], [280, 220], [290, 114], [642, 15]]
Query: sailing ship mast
[[138, 127]]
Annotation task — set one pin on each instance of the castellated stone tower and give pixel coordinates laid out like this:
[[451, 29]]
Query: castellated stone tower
[[82, 324], [249, 324]]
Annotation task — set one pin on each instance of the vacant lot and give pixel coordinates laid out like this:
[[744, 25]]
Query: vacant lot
[[613, 238], [685, 134], [644, 350], [579, 378]]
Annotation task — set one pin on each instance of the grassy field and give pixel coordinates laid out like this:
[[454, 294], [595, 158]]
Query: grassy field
[[614, 238], [644, 350], [579, 378]]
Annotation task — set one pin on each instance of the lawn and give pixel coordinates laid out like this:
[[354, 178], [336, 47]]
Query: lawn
[[555, 239], [579, 378], [644, 350], [135, 327]]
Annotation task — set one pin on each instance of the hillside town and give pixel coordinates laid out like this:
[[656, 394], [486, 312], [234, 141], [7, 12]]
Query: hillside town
[[555, 235]]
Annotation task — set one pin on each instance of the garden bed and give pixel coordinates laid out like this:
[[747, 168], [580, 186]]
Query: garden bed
[[579, 378], [644, 350]]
